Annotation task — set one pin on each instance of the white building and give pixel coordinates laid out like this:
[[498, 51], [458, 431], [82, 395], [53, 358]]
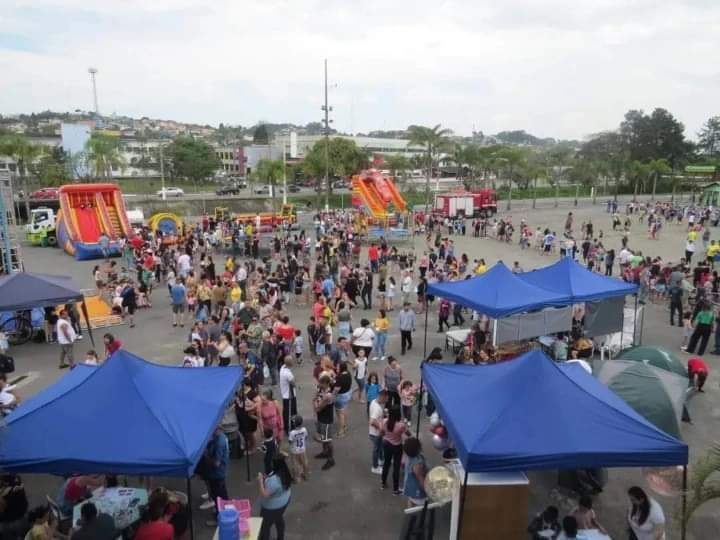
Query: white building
[[297, 146]]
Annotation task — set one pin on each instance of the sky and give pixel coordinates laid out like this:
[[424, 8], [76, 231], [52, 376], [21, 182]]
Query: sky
[[556, 68]]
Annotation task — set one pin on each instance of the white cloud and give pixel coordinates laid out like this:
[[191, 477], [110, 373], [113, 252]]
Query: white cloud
[[553, 67]]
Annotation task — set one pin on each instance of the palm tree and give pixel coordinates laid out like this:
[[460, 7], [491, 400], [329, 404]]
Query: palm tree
[[434, 140], [657, 168], [397, 164], [24, 153], [704, 486], [458, 157], [636, 172], [103, 153], [270, 171], [512, 159]]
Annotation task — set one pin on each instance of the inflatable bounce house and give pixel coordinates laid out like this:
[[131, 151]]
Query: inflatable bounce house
[[87, 211], [170, 226]]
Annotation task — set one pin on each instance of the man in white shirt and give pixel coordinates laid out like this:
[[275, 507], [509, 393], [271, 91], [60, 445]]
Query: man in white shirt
[[184, 265], [376, 414], [66, 337], [406, 287], [624, 257], [287, 391]]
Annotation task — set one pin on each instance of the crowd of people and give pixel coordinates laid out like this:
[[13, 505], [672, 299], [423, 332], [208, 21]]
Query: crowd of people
[[231, 287]]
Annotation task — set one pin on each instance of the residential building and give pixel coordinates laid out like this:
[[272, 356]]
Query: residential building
[[297, 146]]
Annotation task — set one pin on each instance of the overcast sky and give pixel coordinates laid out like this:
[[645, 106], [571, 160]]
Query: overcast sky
[[553, 67]]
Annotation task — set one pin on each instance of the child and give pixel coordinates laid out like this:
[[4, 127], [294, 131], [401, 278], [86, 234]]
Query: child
[[360, 365], [298, 347], [270, 448], [91, 358], [297, 440], [372, 390], [407, 399], [687, 328], [4, 345], [585, 515]]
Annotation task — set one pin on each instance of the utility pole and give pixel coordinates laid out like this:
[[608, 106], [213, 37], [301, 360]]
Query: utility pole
[[93, 71], [162, 173], [327, 110], [284, 177]]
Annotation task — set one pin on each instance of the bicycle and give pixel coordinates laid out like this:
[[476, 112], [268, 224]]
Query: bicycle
[[18, 328]]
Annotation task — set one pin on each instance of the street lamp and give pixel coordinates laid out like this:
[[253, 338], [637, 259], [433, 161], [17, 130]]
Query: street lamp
[[93, 71]]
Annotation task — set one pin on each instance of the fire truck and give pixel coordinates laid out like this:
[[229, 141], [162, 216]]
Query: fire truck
[[476, 203]]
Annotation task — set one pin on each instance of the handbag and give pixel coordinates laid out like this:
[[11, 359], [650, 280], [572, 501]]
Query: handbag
[[7, 363]]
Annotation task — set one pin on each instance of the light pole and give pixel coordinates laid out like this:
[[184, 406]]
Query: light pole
[[284, 177], [93, 71], [327, 121]]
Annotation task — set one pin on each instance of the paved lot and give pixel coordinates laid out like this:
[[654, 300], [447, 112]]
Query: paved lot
[[346, 502]]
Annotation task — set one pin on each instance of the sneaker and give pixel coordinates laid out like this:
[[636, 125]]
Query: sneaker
[[79, 337], [374, 359], [328, 464], [396, 492], [205, 496], [383, 359], [383, 486], [207, 505], [376, 470]]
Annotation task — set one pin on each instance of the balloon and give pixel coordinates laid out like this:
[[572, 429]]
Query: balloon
[[440, 443], [435, 419], [440, 484]]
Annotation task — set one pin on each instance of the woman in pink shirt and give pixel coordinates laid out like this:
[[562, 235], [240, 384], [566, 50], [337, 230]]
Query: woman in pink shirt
[[270, 414], [393, 429]]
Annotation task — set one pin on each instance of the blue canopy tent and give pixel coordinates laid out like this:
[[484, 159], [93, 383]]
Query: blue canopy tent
[[498, 293], [569, 278], [127, 416], [27, 290], [532, 414]]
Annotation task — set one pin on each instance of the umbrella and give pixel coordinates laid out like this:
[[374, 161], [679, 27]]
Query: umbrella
[[655, 356], [655, 394]]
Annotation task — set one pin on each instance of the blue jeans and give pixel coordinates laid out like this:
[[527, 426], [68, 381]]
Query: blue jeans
[[377, 450], [380, 339]]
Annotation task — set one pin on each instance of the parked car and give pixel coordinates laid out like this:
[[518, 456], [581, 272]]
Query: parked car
[[170, 192], [294, 188], [45, 193], [228, 189], [342, 184], [265, 190]]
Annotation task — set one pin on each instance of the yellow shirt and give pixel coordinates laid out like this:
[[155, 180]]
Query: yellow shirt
[[203, 293], [692, 235], [481, 269], [235, 294], [713, 250], [382, 324]]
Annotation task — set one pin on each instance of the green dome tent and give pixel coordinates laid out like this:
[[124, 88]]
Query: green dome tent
[[655, 356], [656, 394]]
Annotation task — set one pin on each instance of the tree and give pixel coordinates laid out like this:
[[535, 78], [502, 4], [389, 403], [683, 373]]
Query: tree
[[397, 164], [51, 169], [636, 172], [24, 153], [709, 137], [657, 168], [343, 158], [704, 485], [511, 159], [434, 140], [102, 152], [271, 171], [192, 159], [261, 135], [655, 136], [609, 149]]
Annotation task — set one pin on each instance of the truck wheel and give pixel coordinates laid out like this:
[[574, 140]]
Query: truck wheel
[[483, 214], [52, 240]]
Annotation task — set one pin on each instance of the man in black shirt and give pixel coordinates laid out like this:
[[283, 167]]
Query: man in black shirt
[[94, 526]]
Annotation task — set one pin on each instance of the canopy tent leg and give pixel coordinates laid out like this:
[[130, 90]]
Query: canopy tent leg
[[494, 336], [87, 321], [634, 321], [190, 505], [462, 506], [420, 398], [683, 529], [245, 443]]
